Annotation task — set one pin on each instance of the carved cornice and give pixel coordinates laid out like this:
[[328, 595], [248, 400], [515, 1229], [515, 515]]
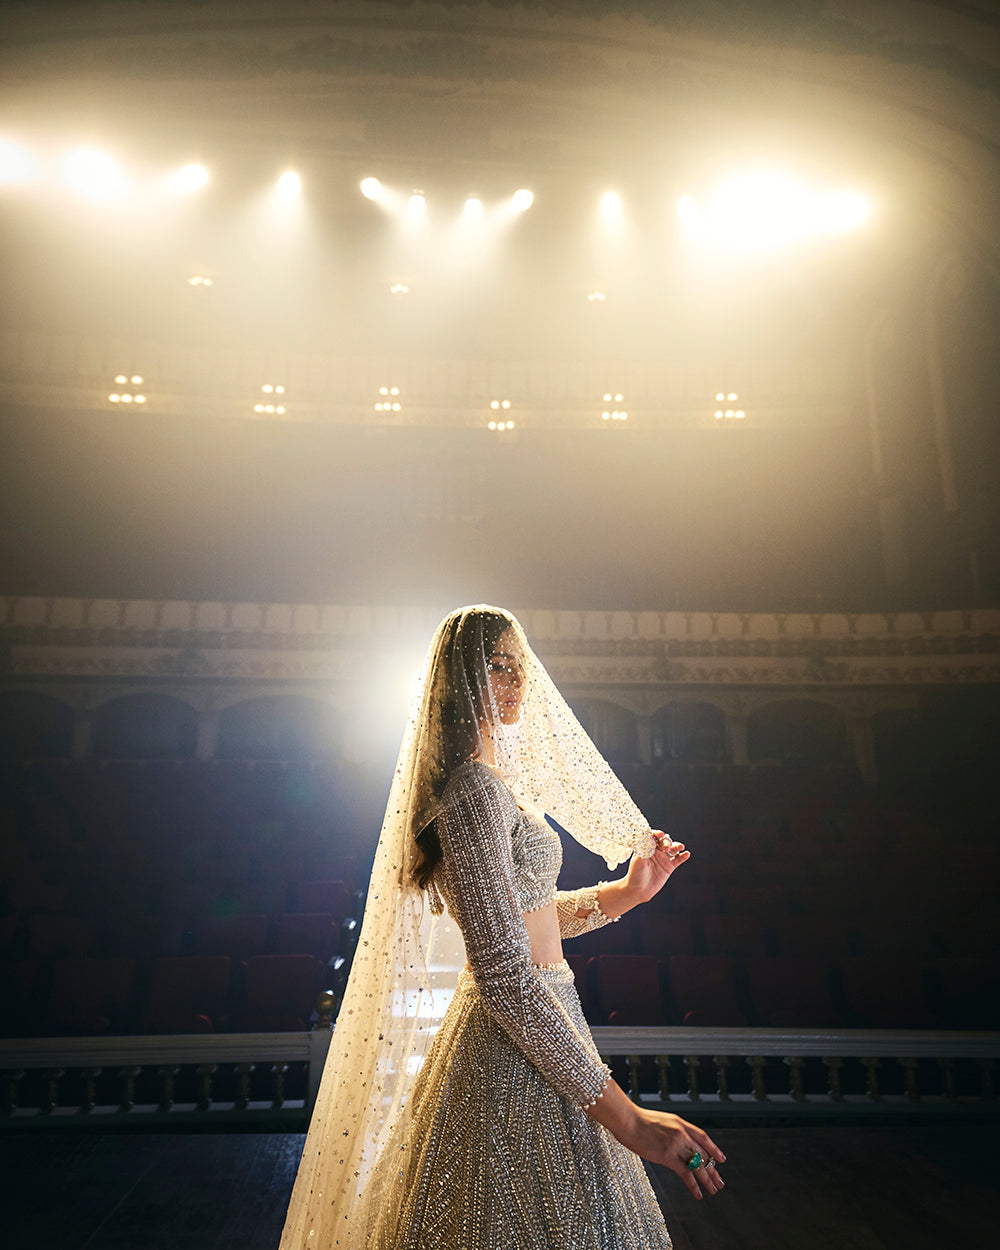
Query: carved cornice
[[167, 642]]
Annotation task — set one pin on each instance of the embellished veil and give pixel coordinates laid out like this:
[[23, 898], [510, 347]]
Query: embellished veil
[[409, 953]]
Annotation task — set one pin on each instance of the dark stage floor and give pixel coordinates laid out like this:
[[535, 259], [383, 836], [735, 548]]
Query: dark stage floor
[[809, 1188]]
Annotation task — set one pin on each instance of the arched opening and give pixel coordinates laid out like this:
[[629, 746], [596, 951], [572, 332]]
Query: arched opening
[[613, 729], [689, 733], [34, 726], [798, 731], [145, 726], [277, 727]]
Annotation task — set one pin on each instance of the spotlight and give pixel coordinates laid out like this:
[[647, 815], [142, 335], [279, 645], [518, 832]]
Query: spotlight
[[523, 199], [417, 206], [199, 279], [115, 399], [842, 210], [121, 379], [596, 297], [764, 209], [611, 206], [92, 174], [687, 211], [289, 186], [473, 210], [399, 288], [136, 381], [371, 189], [15, 164], [190, 178], [496, 404]]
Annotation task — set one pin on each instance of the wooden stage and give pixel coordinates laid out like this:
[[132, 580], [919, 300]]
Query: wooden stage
[[916, 1187]]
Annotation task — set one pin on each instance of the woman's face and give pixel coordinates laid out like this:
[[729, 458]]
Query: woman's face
[[506, 678]]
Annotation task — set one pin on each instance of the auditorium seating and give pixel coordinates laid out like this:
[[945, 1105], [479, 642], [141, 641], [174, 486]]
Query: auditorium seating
[[805, 901]]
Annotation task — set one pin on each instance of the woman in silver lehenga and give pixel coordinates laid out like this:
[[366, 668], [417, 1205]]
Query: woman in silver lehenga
[[463, 1104]]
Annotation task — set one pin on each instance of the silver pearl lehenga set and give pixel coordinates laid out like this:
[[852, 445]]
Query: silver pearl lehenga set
[[452, 1109]]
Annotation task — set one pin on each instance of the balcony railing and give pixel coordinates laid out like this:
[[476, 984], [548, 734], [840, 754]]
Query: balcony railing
[[223, 1079]]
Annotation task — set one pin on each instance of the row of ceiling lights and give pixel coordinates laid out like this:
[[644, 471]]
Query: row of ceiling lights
[[752, 209], [389, 401]]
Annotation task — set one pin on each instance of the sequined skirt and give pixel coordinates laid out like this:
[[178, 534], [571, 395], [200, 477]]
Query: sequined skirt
[[495, 1157]]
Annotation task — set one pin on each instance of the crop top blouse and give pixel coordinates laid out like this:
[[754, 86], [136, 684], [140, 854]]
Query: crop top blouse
[[498, 862]]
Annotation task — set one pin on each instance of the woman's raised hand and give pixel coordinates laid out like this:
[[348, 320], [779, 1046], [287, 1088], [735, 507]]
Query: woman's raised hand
[[647, 877]]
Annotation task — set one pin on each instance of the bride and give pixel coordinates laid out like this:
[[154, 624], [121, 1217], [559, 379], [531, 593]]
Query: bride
[[463, 1104]]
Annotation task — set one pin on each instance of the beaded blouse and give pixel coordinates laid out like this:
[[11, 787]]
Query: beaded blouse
[[498, 862]]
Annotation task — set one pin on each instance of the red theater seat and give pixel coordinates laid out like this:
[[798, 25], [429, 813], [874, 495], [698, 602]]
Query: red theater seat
[[307, 933], [704, 991], [791, 992], [188, 994], [279, 994], [628, 989], [90, 996], [325, 896], [239, 937]]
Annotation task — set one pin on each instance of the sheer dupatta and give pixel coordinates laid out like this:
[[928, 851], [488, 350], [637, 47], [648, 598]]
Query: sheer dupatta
[[410, 953]]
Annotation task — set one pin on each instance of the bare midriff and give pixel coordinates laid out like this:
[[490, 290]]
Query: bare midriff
[[543, 934]]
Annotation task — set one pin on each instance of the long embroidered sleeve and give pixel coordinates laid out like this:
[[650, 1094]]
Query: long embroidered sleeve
[[569, 902], [477, 879]]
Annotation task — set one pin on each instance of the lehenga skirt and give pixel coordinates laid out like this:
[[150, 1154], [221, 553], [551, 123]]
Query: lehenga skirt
[[496, 1157]]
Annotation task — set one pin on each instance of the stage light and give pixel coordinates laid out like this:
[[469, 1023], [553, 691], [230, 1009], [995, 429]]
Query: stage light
[[15, 164], [140, 399], [199, 280], [473, 210], [121, 379], [496, 404], [190, 178], [389, 402], [719, 397], [764, 209], [115, 398], [136, 381], [92, 174], [399, 288], [371, 189], [842, 210], [289, 186], [522, 199], [417, 206], [687, 211], [596, 297], [611, 206], [719, 414]]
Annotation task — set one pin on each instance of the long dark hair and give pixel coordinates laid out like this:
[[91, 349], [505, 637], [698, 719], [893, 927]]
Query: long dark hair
[[469, 641]]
